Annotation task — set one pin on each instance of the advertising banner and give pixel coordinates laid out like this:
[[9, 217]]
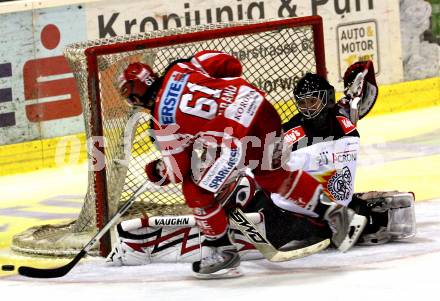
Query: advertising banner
[[38, 95], [353, 29]]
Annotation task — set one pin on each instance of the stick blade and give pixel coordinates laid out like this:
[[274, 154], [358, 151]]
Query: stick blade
[[42, 273], [299, 253], [50, 273]]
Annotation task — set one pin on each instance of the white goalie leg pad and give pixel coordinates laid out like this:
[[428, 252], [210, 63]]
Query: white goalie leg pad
[[399, 210], [128, 249], [401, 214]]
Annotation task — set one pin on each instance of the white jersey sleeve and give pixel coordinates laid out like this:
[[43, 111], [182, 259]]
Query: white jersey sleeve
[[333, 163]]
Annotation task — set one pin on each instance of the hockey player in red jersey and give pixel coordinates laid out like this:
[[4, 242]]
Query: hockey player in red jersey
[[203, 102]]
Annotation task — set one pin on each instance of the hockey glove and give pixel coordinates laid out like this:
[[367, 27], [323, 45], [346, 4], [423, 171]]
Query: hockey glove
[[157, 172], [360, 90]]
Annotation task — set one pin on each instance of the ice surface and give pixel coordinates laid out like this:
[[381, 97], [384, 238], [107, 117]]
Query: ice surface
[[403, 270]]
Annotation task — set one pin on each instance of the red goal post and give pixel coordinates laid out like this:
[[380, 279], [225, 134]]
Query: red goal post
[[274, 55]]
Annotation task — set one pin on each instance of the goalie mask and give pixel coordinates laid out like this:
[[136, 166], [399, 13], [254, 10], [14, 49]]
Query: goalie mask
[[312, 94], [135, 85]]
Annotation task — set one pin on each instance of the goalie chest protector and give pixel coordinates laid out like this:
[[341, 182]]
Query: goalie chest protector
[[330, 156]]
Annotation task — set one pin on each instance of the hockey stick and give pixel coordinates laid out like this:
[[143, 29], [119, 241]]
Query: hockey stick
[[61, 271], [239, 219]]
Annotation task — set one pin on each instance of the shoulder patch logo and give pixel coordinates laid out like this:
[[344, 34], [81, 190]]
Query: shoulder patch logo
[[171, 97], [294, 135], [346, 125]]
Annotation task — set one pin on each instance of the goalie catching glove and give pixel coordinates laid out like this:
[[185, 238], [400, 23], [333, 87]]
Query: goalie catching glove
[[360, 90]]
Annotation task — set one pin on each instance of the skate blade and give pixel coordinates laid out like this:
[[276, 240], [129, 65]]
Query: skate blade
[[357, 225], [222, 274]]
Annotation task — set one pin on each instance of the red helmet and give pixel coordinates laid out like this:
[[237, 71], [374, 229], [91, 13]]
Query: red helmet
[[217, 64], [134, 83]]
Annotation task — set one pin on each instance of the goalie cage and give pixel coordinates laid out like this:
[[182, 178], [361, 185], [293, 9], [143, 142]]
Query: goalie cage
[[274, 54]]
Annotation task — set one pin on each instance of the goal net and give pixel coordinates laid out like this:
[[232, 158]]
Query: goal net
[[274, 55]]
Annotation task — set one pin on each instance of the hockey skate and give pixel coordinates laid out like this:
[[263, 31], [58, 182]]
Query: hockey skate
[[219, 259], [345, 224]]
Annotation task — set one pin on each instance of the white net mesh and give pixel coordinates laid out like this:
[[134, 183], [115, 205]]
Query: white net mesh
[[272, 60]]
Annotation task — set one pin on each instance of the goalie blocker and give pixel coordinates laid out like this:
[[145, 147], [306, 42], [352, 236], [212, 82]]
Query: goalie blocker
[[177, 239]]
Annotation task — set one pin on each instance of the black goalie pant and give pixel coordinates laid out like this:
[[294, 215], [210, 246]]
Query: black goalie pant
[[284, 226]]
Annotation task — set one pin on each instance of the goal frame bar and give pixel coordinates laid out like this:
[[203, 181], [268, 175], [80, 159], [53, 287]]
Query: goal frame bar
[[92, 54]]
